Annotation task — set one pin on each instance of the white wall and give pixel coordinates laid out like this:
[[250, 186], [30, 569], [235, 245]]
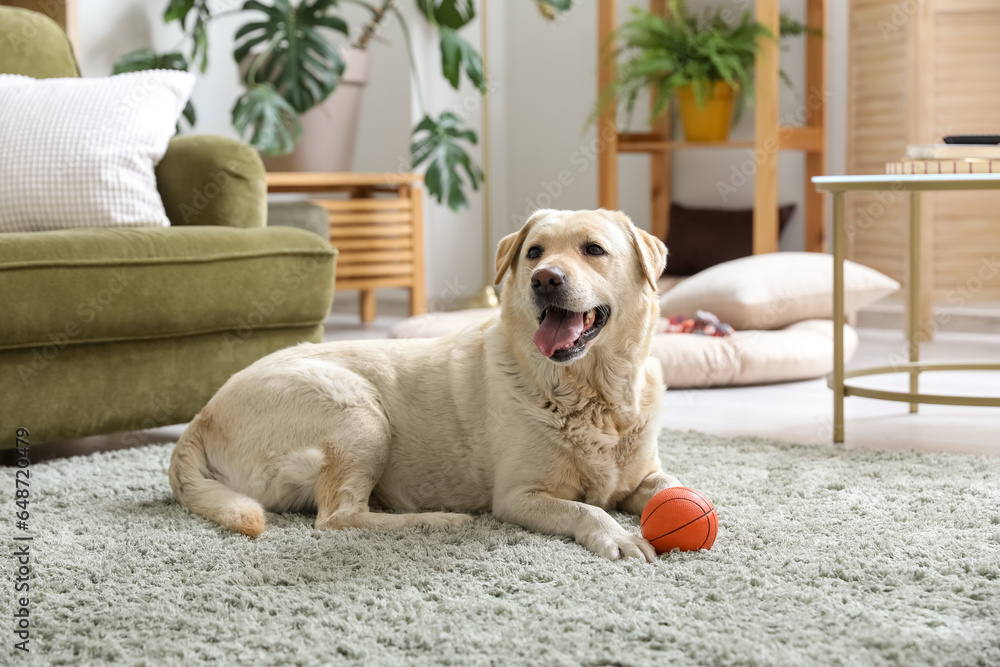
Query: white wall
[[544, 86], [110, 28]]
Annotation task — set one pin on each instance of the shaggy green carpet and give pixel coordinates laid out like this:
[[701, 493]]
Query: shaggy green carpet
[[824, 557]]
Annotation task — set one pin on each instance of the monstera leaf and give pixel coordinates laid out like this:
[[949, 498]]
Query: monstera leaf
[[178, 10], [266, 121], [146, 59], [447, 13], [436, 143], [458, 54], [289, 50]]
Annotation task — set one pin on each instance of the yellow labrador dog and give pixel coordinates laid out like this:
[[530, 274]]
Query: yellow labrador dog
[[546, 415]]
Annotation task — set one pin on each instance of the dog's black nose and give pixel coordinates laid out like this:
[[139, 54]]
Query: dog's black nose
[[547, 281]]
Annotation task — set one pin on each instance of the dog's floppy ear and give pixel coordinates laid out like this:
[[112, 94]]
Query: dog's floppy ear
[[651, 251], [510, 246]]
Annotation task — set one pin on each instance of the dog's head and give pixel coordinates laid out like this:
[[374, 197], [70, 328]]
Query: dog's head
[[579, 278]]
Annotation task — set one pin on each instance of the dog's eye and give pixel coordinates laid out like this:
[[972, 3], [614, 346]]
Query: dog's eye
[[534, 252], [594, 249]]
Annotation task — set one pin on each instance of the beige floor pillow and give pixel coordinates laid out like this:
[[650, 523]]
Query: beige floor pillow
[[774, 290], [798, 352]]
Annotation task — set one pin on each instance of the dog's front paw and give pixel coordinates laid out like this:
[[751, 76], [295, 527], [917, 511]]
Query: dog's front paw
[[620, 546]]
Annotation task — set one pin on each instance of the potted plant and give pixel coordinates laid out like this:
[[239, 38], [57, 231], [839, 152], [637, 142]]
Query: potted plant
[[290, 63], [705, 62]]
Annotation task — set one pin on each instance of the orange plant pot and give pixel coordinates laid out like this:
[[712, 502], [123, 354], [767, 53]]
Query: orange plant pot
[[712, 121]]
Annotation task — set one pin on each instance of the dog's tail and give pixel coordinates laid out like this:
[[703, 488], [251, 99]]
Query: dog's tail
[[195, 488]]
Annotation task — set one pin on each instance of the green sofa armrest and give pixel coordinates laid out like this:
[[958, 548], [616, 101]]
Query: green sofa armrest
[[209, 180], [34, 45]]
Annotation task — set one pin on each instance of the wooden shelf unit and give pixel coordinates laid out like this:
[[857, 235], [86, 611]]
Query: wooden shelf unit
[[769, 137], [377, 230]]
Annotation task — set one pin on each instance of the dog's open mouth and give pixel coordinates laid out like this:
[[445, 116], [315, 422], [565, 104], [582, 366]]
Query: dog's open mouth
[[563, 334]]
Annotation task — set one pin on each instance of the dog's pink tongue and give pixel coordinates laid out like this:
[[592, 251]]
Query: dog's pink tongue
[[557, 329]]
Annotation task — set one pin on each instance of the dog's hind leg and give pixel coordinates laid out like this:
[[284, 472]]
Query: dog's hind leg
[[352, 467]]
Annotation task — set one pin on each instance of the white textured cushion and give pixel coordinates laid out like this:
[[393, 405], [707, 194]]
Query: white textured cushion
[[774, 290], [82, 152], [798, 352]]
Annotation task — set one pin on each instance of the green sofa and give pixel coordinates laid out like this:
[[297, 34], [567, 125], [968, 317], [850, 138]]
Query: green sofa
[[105, 330]]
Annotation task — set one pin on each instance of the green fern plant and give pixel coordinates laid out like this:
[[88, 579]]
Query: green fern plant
[[664, 53]]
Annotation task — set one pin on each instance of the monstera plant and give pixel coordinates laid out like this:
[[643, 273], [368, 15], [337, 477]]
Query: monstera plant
[[290, 63]]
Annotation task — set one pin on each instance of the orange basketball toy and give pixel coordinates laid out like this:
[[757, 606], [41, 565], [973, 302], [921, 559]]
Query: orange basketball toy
[[679, 518]]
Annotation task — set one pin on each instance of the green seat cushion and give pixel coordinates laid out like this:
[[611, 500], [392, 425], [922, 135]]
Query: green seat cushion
[[72, 287]]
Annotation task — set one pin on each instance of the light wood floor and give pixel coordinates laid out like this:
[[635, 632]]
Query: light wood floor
[[797, 411]]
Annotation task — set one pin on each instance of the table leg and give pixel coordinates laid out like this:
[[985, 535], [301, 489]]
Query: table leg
[[839, 253], [367, 305], [913, 304]]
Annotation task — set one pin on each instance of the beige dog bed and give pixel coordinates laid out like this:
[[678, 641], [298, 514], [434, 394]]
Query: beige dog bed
[[800, 351]]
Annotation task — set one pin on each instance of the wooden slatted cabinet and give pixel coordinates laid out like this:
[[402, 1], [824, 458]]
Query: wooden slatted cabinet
[[376, 224], [918, 71]]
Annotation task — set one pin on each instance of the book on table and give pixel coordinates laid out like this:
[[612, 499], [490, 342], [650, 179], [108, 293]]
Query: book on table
[[943, 166], [952, 152]]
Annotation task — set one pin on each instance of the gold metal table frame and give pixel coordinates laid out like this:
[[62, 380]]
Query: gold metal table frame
[[839, 186]]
